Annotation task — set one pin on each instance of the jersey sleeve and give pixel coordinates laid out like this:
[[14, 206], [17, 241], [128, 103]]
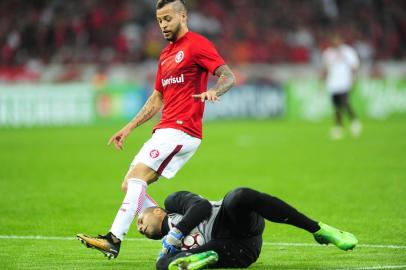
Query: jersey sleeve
[[194, 209], [158, 84], [207, 56]]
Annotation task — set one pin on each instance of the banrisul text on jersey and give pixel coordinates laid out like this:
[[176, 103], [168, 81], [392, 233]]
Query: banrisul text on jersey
[[172, 80]]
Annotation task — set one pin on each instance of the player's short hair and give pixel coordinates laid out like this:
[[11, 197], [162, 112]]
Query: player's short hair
[[161, 3], [151, 209]]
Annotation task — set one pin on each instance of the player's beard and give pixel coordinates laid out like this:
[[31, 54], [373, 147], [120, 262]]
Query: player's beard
[[156, 236], [175, 33]]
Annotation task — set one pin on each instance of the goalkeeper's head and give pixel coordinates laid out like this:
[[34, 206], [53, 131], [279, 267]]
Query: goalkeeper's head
[[150, 222]]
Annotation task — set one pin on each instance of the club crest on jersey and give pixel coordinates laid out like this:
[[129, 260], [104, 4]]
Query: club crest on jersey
[[179, 57], [154, 153], [172, 80]]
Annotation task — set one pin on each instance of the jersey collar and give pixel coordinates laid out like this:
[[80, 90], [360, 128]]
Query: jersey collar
[[181, 38], [165, 226]]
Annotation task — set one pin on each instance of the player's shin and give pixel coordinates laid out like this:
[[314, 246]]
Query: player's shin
[[133, 204]]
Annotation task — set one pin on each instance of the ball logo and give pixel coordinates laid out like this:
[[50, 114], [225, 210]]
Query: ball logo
[[192, 241], [154, 153], [179, 57]]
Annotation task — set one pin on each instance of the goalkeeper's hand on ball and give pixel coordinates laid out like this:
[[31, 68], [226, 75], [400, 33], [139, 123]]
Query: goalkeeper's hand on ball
[[172, 242]]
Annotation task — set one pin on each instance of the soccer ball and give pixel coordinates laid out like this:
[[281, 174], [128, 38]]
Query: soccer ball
[[192, 240]]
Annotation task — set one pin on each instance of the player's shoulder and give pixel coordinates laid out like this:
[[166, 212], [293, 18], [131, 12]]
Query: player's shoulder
[[328, 53], [198, 38], [348, 50], [344, 48], [329, 50], [195, 35]]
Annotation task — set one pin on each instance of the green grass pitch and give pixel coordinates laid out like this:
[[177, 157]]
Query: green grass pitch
[[56, 182]]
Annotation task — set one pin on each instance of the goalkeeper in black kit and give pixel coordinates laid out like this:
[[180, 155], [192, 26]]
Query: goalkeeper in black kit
[[232, 228]]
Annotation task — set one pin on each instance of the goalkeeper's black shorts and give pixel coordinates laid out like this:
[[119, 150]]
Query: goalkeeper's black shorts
[[237, 233]]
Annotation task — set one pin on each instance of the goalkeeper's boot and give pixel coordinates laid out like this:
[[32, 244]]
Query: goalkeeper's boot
[[194, 261], [330, 235], [108, 244]]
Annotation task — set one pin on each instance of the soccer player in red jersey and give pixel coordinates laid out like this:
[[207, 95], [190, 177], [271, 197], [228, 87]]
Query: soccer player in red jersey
[[180, 91]]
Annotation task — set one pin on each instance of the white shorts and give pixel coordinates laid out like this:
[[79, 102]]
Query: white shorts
[[167, 151]]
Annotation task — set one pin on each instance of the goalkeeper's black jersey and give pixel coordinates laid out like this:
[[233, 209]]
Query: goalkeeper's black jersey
[[191, 213]]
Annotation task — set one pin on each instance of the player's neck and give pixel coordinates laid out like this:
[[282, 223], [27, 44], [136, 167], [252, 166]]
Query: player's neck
[[181, 33]]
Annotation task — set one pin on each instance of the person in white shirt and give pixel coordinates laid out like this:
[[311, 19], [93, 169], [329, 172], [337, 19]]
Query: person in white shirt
[[340, 64]]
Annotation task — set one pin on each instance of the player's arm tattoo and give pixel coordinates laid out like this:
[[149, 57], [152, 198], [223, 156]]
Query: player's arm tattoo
[[150, 108], [226, 80]]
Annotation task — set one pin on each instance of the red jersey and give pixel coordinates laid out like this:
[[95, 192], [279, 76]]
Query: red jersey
[[183, 70]]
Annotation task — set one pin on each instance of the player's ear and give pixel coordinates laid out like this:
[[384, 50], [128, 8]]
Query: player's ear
[[159, 212], [183, 16]]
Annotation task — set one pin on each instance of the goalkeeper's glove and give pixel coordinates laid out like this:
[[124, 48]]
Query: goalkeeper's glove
[[172, 242]]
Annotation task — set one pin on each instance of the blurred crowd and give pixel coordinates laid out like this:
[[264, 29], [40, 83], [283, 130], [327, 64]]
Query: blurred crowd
[[266, 31]]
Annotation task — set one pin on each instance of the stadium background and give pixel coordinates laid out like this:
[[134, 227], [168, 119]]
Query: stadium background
[[73, 72]]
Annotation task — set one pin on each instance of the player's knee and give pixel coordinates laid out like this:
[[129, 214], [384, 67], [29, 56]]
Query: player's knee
[[142, 172], [124, 186], [242, 194]]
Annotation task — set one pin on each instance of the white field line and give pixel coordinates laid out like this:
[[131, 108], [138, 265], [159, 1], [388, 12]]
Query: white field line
[[379, 267], [317, 245], [41, 237]]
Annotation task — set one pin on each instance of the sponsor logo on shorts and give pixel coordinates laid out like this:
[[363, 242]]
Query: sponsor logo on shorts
[[154, 153]]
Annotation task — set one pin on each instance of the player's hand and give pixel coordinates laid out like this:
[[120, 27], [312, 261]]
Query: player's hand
[[167, 248], [209, 95], [172, 242], [119, 137]]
